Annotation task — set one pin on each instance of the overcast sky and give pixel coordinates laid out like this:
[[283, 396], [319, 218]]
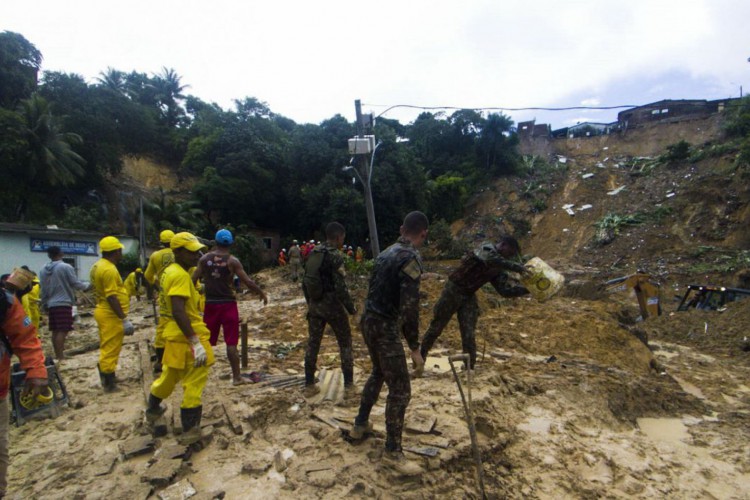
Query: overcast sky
[[310, 60]]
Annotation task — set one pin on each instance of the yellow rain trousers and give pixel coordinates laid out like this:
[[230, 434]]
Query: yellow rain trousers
[[177, 365], [111, 334]]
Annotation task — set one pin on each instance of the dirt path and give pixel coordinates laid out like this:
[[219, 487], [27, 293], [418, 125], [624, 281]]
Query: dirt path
[[566, 402]]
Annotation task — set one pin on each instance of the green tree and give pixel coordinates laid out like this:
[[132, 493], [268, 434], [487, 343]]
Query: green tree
[[50, 156], [20, 61]]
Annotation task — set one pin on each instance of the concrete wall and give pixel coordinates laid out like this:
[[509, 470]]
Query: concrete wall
[[15, 251]]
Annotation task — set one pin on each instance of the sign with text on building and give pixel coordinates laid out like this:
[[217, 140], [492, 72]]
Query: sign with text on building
[[67, 246]]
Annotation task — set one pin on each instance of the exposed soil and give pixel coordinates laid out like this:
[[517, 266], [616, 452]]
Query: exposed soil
[[569, 401]]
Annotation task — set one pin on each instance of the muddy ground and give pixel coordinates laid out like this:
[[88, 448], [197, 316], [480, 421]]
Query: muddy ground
[[568, 404]]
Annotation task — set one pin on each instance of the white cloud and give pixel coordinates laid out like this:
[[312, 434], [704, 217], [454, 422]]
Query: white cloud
[[310, 60]]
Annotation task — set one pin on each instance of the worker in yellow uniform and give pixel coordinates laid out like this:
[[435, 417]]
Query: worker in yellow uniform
[[112, 305], [187, 352], [30, 302], [159, 261], [134, 283]]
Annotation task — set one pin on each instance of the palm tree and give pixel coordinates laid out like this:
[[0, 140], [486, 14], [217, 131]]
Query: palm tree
[[50, 156], [169, 91], [113, 79]]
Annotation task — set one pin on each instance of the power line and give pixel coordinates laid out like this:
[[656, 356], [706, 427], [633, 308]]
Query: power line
[[495, 108]]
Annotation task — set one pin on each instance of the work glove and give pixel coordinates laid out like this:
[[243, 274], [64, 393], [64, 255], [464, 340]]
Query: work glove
[[128, 327], [35, 386], [199, 353]]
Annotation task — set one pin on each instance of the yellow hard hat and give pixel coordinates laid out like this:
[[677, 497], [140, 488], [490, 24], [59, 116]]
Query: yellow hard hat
[[186, 240], [166, 236], [30, 402], [110, 244], [138, 270]]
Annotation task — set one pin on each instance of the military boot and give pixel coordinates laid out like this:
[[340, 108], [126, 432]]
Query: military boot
[[396, 463], [359, 431], [191, 425]]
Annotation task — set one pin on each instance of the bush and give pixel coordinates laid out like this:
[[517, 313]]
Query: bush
[[88, 218], [677, 152], [441, 239]]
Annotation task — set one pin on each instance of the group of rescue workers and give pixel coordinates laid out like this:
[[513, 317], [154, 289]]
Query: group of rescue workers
[[194, 288]]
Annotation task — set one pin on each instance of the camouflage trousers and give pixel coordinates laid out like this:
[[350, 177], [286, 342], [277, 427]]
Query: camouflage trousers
[[295, 268], [466, 307], [389, 366], [328, 311]]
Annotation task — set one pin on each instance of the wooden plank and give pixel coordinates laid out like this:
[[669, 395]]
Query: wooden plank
[[425, 451], [233, 419], [243, 344]]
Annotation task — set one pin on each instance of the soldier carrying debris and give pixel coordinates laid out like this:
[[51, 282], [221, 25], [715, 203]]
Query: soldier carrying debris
[[487, 264], [393, 302], [187, 352], [328, 301]]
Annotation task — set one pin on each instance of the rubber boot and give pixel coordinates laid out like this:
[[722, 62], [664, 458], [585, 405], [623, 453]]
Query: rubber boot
[[159, 356], [102, 380], [110, 382], [155, 409], [191, 425]]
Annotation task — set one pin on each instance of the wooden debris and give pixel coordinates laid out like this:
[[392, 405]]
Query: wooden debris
[[162, 471], [326, 419], [233, 419], [421, 422], [180, 490], [172, 451], [425, 451], [137, 446]]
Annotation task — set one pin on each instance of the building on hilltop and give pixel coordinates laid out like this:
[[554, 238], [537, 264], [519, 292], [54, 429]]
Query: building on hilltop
[[670, 110]]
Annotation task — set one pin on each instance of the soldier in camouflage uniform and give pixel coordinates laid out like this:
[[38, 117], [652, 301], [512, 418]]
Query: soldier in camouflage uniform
[[487, 264], [393, 302], [328, 301]]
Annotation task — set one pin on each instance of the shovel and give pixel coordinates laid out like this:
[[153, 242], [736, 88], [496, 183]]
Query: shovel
[[469, 415]]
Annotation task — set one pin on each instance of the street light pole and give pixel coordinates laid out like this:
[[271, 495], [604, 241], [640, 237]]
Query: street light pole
[[365, 171]]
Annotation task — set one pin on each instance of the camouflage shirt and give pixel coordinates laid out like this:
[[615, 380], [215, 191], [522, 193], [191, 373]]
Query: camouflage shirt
[[394, 288], [484, 265]]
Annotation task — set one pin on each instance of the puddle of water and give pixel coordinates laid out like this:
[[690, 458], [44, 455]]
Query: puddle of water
[[666, 354], [670, 430], [440, 365], [689, 388], [536, 425]]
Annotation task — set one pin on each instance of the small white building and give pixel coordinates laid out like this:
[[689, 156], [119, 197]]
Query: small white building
[[25, 244]]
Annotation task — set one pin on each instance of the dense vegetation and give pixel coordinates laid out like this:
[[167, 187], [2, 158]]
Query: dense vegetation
[[63, 138]]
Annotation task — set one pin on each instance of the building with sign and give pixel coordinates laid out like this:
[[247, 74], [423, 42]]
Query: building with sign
[[25, 244]]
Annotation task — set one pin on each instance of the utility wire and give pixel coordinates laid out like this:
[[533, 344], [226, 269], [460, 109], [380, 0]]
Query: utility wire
[[496, 108]]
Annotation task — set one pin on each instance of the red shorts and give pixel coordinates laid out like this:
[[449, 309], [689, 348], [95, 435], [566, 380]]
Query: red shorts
[[222, 314], [61, 318]]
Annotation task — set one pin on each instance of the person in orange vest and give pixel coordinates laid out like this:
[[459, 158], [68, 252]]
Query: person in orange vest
[[349, 252], [282, 257], [359, 255], [19, 334]]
